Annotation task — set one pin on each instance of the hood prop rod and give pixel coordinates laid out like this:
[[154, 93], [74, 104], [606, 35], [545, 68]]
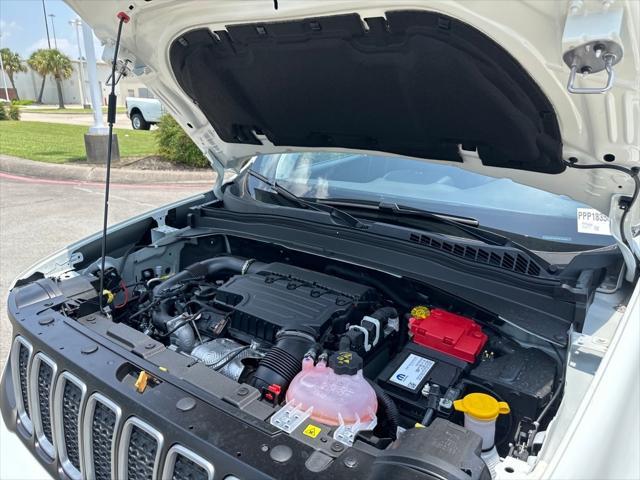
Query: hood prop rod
[[111, 119]]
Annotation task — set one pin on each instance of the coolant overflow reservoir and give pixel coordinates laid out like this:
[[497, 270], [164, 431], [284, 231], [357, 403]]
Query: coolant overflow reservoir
[[345, 400]]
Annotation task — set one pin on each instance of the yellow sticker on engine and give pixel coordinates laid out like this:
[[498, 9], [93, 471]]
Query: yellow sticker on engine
[[312, 431]]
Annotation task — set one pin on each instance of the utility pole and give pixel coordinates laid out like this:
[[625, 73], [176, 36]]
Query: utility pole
[[77, 23], [53, 29], [46, 24]]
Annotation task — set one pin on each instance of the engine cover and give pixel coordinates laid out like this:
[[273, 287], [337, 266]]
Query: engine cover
[[285, 297]]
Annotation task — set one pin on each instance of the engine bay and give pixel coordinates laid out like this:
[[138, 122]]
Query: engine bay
[[362, 356]]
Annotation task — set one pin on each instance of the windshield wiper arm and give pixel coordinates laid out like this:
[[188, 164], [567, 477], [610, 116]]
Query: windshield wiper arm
[[470, 226], [465, 224], [335, 213]]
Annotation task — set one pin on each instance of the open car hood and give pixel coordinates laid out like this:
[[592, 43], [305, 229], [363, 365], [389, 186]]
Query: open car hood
[[481, 84]]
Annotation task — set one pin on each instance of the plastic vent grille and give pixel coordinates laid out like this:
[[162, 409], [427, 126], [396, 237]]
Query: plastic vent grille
[[515, 262], [185, 468], [182, 463], [141, 454], [45, 377], [103, 428], [23, 363], [71, 400]]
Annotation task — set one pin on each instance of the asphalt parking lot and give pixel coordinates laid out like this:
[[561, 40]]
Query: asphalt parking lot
[[38, 217]]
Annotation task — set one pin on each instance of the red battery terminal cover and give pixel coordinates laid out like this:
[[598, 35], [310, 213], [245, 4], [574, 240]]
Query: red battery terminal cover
[[447, 332]]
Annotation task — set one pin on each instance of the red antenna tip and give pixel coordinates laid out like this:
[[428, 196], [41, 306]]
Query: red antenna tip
[[124, 17]]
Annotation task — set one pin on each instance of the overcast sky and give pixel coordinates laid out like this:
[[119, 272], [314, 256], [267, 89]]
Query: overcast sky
[[23, 29]]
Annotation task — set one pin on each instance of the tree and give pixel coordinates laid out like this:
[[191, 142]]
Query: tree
[[12, 64], [60, 66], [55, 63], [37, 63]]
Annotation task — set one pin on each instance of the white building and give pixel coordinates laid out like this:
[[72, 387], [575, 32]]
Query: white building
[[28, 86]]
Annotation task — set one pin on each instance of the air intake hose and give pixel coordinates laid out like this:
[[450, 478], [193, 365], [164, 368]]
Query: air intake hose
[[283, 361], [213, 266]]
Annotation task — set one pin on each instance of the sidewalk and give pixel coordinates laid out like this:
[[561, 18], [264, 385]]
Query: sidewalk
[[72, 118], [96, 173]]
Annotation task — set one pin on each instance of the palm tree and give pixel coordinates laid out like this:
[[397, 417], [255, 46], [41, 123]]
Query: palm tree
[[37, 63], [12, 64], [60, 66], [52, 62]]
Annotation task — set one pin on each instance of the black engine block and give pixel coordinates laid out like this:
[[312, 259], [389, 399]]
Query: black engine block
[[282, 296]]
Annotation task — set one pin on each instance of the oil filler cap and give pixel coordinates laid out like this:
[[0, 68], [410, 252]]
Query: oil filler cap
[[345, 362]]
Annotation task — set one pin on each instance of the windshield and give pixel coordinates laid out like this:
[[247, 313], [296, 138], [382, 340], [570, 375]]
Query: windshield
[[497, 203]]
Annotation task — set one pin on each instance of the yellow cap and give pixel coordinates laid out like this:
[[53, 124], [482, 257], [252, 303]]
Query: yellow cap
[[481, 406], [109, 294], [420, 312]]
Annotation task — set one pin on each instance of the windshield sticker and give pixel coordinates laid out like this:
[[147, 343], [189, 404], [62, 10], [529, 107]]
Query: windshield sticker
[[592, 221]]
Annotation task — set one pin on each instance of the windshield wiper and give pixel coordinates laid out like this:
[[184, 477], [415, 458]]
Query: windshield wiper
[[335, 213], [469, 226]]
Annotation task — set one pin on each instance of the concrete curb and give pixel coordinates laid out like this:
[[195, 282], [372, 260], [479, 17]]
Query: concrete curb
[[30, 168]]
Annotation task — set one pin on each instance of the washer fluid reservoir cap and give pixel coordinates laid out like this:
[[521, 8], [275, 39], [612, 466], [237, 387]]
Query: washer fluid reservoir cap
[[481, 406], [345, 363]]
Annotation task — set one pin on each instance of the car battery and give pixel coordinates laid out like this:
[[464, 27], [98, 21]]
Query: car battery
[[447, 332], [405, 377]]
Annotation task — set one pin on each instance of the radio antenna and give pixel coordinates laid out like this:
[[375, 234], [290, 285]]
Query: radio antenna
[[111, 119]]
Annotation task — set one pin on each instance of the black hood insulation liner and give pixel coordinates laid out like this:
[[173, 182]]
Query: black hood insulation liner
[[414, 83]]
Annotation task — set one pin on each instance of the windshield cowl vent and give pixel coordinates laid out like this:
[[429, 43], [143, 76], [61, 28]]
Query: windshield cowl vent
[[499, 257]]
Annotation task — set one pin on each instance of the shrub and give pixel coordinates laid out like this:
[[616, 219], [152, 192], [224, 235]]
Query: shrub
[[3, 112], [176, 146], [22, 102], [13, 112]]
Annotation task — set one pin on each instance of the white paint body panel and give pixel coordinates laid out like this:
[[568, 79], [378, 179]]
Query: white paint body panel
[[150, 108], [591, 125]]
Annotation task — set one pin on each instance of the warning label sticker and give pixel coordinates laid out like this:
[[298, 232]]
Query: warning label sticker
[[412, 371], [592, 221], [312, 431]]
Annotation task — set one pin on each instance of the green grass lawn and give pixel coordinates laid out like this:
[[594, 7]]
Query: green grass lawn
[[69, 110], [60, 143]]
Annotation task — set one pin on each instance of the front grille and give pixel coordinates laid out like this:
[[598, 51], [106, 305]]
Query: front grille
[[89, 436], [183, 464], [104, 422], [100, 431], [23, 362], [141, 455], [45, 375], [20, 357], [71, 421], [185, 468], [139, 451], [69, 398], [41, 383]]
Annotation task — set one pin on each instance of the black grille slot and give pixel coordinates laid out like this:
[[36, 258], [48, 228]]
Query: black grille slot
[[72, 397], [533, 269], [45, 377], [102, 430], [519, 262], [23, 362], [186, 469], [141, 454]]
